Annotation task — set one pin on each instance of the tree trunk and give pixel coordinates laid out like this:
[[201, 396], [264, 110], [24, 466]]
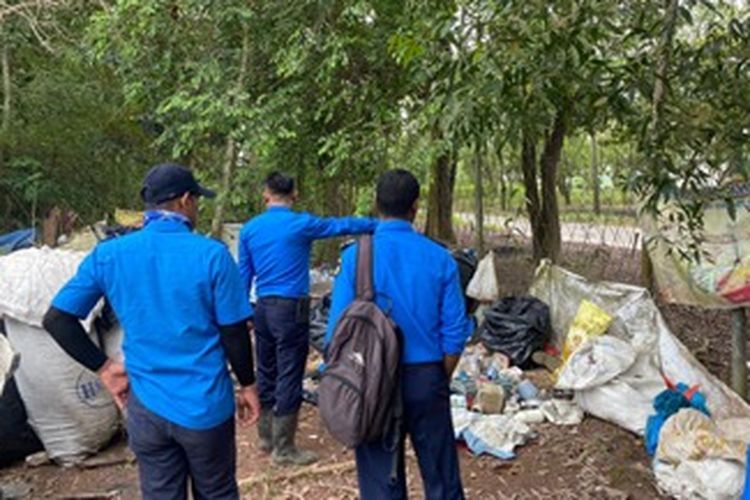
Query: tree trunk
[[595, 175], [227, 171], [5, 63], [502, 180], [531, 188], [478, 198], [549, 163], [230, 149], [440, 198], [664, 52], [563, 182]]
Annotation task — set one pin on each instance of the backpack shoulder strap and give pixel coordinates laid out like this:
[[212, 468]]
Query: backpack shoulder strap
[[364, 280]]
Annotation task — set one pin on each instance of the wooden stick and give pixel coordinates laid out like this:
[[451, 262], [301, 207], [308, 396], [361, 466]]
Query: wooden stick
[[312, 470]]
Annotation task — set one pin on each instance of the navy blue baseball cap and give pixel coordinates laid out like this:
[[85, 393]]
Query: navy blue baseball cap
[[168, 181]]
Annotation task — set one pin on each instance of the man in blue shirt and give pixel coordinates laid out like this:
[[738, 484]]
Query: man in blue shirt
[[416, 282], [181, 303], [274, 251]]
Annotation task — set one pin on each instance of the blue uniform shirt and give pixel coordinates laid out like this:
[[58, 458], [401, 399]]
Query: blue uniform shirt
[[417, 283], [275, 248], [170, 289]]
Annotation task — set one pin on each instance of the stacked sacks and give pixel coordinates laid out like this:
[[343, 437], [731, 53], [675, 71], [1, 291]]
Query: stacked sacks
[[67, 406]]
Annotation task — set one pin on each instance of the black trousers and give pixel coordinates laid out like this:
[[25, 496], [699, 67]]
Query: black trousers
[[169, 454], [282, 342], [427, 421]]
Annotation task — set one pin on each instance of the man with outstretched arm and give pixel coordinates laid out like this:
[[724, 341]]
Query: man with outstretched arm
[[182, 306], [274, 251], [417, 284]]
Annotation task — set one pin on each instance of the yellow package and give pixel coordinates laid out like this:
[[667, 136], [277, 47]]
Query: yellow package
[[590, 321], [128, 218]]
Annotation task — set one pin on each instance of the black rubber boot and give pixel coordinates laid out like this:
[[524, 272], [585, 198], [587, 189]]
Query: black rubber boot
[[284, 450], [265, 429]]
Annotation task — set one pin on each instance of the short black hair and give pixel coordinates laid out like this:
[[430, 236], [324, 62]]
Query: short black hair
[[279, 184], [396, 193]]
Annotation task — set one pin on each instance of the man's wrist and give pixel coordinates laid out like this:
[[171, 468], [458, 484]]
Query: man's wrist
[[106, 363]]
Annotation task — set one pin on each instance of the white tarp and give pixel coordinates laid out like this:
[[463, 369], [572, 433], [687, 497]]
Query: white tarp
[[637, 321]]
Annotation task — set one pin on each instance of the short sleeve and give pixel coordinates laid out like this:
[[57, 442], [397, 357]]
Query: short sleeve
[[230, 302], [79, 295]]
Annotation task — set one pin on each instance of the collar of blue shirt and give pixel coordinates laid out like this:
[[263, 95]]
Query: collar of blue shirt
[[278, 208], [394, 225]]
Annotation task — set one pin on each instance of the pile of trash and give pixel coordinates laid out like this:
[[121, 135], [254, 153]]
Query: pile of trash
[[47, 398], [620, 358], [494, 405]]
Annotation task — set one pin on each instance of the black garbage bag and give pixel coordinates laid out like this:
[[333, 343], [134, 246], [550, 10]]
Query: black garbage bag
[[319, 322], [467, 265], [516, 327]]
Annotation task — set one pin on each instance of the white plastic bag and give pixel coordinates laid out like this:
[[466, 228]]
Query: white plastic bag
[[595, 363], [562, 412], [68, 408], [709, 479], [30, 279], [483, 285], [617, 402]]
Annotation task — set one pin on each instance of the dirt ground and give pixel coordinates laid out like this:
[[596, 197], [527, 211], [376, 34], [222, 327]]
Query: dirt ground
[[594, 460]]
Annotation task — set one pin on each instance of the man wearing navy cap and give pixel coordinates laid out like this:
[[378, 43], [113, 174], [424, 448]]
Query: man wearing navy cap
[[274, 250], [181, 302]]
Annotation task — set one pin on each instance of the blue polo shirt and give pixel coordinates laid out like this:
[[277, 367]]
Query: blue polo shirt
[[275, 248], [170, 289], [417, 283]]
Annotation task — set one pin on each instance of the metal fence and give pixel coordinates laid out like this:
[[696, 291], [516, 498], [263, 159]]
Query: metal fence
[[604, 247]]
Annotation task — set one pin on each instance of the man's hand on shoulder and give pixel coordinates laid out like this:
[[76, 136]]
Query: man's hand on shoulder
[[248, 405], [115, 380]]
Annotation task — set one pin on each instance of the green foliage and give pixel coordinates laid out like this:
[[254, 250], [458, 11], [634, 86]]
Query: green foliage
[[336, 92]]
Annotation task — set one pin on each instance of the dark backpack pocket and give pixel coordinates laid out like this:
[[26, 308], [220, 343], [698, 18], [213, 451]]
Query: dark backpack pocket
[[341, 404]]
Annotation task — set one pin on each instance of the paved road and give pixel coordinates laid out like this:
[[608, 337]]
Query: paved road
[[572, 232]]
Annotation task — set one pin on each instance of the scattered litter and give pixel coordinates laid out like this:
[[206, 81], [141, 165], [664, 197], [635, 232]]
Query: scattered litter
[[458, 401], [490, 399], [527, 391], [530, 416], [562, 412], [496, 435], [38, 459]]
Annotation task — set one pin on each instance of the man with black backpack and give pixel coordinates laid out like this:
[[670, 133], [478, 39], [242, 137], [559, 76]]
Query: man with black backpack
[[414, 282]]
